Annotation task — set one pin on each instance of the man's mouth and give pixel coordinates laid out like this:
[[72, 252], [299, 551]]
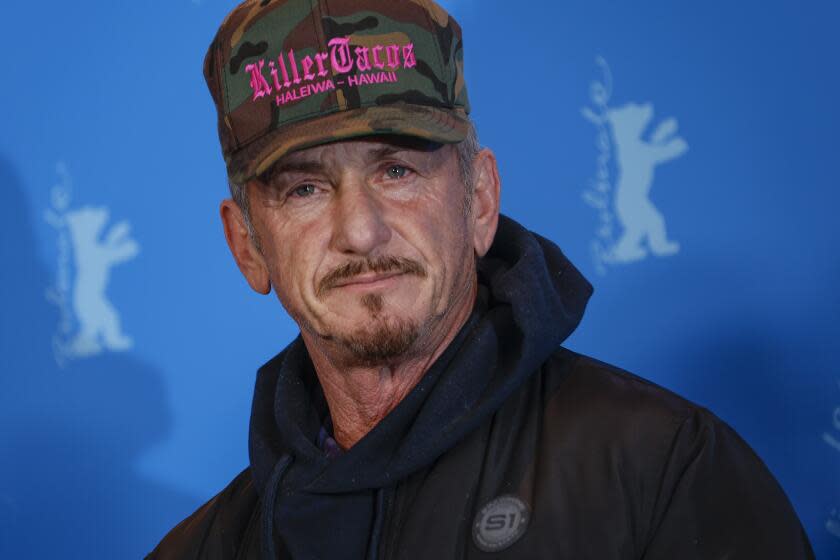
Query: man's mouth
[[368, 280]]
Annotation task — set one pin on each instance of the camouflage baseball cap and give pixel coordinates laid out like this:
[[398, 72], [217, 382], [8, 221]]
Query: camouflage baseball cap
[[290, 74]]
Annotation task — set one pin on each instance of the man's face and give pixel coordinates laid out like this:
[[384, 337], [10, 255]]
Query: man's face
[[367, 242]]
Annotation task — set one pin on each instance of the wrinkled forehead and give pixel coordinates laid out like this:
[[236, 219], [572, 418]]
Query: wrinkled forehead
[[365, 148]]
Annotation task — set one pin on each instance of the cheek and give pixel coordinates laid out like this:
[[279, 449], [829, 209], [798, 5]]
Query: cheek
[[444, 241], [449, 226], [292, 266], [456, 247]]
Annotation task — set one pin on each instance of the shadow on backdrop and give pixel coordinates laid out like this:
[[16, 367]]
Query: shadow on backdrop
[[71, 436], [773, 390], [759, 363]]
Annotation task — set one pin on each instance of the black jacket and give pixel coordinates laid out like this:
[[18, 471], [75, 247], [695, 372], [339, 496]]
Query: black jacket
[[509, 447]]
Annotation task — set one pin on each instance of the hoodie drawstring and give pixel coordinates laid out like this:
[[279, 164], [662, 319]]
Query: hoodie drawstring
[[269, 499], [378, 521]]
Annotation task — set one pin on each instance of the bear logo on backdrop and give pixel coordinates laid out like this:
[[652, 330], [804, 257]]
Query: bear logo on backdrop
[[624, 198], [88, 322]]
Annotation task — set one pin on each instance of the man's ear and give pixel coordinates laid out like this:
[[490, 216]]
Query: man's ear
[[485, 200], [248, 258]]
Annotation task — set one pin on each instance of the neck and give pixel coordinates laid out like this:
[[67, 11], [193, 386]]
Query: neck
[[359, 397]]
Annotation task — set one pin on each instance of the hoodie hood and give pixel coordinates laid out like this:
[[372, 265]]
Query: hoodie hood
[[530, 299]]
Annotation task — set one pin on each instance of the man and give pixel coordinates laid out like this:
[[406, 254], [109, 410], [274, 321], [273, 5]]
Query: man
[[427, 409]]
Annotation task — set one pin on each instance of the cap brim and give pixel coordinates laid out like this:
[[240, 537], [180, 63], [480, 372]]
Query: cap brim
[[447, 126]]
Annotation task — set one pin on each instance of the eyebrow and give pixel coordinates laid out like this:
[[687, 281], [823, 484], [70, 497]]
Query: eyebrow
[[293, 167], [385, 151]]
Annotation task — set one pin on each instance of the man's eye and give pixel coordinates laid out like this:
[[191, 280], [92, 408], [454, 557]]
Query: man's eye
[[304, 190], [397, 171]]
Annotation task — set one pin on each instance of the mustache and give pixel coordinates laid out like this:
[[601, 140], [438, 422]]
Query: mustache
[[379, 265]]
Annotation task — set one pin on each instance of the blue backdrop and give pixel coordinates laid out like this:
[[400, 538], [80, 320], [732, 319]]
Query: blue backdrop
[[682, 155]]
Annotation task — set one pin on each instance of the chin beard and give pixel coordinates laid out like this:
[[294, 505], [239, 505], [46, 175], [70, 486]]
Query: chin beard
[[381, 342], [383, 339]]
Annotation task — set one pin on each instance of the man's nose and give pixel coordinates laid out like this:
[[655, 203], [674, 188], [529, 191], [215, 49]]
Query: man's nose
[[359, 225]]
